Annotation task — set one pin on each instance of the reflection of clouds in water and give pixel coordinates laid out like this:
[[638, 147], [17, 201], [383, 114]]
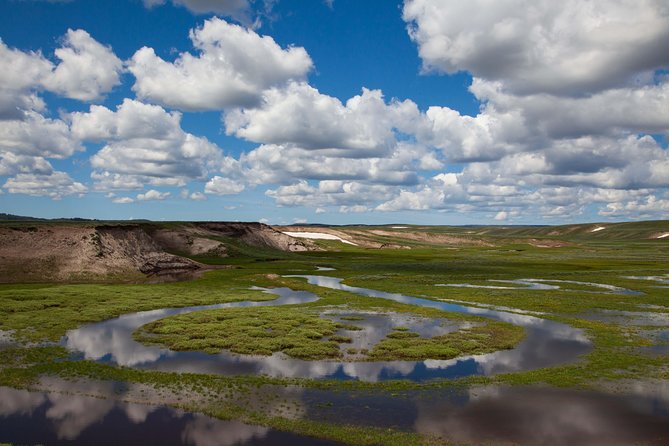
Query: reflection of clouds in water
[[542, 284], [627, 317], [376, 325], [547, 343], [537, 416], [72, 414], [137, 413], [663, 279], [113, 338], [14, 401], [280, 365], [205, 431]]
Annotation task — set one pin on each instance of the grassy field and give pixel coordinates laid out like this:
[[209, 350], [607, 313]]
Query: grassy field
[[38, 313]]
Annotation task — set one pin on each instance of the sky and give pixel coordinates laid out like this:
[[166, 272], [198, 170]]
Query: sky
[[335, 111]]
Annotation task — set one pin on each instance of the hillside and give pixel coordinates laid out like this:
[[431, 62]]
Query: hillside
[[63, 251]]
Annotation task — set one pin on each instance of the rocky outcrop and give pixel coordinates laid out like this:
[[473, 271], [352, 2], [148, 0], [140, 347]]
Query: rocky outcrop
[[130, 247]]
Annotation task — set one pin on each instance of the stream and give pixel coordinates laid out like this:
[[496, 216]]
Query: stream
[[547, 343]]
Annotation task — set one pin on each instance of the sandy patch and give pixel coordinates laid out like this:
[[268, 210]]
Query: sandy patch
[[665, 235], [598, 228]]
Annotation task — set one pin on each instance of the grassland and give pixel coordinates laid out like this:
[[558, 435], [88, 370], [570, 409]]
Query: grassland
[[44, 312]]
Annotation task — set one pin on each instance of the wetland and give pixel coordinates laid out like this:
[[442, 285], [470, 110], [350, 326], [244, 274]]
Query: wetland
[[350, 344]]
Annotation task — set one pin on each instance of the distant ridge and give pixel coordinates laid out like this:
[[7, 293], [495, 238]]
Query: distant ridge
[[12, 217]]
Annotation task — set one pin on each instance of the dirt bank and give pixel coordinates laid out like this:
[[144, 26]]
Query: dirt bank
[[63, 252]]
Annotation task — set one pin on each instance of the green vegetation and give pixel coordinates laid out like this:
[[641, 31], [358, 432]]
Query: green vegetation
[[44, 312], [405, 345], [249, 331], [301, 333]]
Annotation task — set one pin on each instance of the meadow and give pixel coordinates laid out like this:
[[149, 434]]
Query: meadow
[[627, 331]]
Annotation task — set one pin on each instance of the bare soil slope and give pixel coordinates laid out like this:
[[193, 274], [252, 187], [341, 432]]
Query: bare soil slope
[[38, 252]]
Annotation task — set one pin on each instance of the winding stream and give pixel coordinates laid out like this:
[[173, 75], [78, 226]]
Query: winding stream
[[547, 343]]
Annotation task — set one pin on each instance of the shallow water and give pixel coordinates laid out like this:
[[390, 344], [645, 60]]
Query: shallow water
[[375, 326], [627, 317], [66, 419], [543, 285], [531, 415], [663, 279], [547, 343]]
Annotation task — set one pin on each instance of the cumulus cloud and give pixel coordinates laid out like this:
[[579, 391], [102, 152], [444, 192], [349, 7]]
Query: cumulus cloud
[[20, 73], [26, 143], [55, 185], [565, 48], [122, 200], [301, 116], [350, 196], [283, 164], [145, 144], [198, 196], [223, 186], [153, 194], [87, 69], [234, 65], [38, 136]]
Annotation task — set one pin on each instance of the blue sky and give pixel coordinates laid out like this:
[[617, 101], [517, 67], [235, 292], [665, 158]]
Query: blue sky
[[416, 111]]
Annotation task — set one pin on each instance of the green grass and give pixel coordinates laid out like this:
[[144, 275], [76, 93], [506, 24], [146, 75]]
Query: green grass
[[250, 331], [41, 312], [405, 345]]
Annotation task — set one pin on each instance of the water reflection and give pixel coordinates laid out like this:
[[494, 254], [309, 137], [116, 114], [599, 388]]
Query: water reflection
[[111, 340], [663, 279], [531, 415], [372, 327], [60, 418], [547, 343], [544, 285], [638, 413]]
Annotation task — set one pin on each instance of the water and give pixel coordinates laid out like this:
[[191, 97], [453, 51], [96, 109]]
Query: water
[[547, 343], [532, 415], [65, 419], [544, 285]]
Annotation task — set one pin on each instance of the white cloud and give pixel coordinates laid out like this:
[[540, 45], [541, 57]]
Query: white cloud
[[25, 143], [233, 67], [55, 185], [281, 164], [223, 186], [198, 196], [348, 195], [648, 207], [87, 69], [145, 144], [153, 195], [122, 200], [20, 72], [501, 216], [565, 48], [300, 115], [38, 136]]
